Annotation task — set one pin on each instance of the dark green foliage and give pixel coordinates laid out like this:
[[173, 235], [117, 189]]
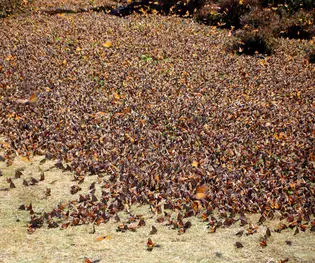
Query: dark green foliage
[[181, 8], [209, 14], [292, 18], [311, 57], [231, 11], [225, 13], [292, 5], [299, 25], [252, 42], [259, 17], [297, 32]]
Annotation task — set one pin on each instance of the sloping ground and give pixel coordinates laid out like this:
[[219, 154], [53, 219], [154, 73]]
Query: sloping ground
[[157, 107], [75, 4], [58, 6], [9, 7]]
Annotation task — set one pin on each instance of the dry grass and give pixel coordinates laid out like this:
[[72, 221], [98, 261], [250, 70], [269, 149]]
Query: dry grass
[[75, 243]]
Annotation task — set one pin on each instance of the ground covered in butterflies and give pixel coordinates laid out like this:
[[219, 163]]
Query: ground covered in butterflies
[[107, 243], [111, 125]]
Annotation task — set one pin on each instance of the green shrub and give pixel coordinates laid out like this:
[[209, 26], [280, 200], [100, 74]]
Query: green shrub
[[210, 14], [311, 57], [232, 11], [182, 8], [299, 25], [280, 23], [260, 17], [296, 32], [291, 5], [251, 42], [225, 13]]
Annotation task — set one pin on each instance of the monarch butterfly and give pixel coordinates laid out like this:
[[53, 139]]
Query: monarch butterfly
[[151, 244]]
